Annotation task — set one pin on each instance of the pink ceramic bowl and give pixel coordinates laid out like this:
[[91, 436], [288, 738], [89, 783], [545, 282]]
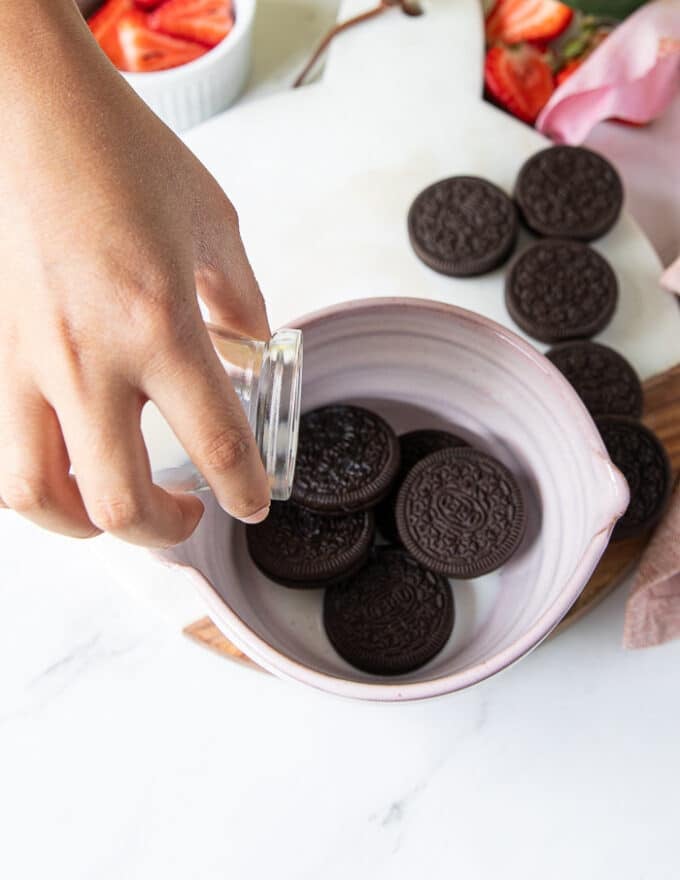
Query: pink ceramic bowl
[[426, 364]]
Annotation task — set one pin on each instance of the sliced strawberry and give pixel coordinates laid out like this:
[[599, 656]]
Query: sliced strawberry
[[145, 50], [519, 79], [104, 25], [514, 21], [207, 21]]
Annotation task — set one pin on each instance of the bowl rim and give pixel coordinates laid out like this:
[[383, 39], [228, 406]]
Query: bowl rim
[[245, 14], [284, 666]]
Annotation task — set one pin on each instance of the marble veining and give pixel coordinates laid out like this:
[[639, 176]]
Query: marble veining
[[128, 752], [62, 673]]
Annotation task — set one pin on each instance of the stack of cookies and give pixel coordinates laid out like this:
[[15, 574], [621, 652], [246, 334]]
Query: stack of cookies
[[381, 523], [558, 290]]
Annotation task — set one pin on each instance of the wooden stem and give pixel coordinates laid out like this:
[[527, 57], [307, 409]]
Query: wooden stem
[[407, 6]]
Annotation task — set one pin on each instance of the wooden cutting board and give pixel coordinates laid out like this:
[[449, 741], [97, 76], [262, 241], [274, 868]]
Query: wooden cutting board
[[662, 415]]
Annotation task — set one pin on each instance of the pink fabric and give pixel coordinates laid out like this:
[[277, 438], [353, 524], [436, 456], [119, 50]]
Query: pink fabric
[[632, 75], [653, 607], [647, 159]]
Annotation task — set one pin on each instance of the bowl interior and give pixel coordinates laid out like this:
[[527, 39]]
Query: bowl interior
[[428, 365]]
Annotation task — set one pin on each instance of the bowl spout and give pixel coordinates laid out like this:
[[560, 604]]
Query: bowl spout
[[613, 494]]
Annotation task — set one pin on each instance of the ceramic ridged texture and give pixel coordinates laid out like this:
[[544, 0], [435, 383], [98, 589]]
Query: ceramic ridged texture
[[569, 192], [187, 95], [187, 104], [423, 365]]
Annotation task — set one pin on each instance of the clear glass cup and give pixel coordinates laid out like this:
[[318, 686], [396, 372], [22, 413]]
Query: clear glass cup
[[267, 378]]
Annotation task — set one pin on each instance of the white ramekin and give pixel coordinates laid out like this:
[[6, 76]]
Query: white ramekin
[[186, 95]]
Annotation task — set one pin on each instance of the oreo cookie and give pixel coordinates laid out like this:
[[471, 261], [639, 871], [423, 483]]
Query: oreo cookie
[[603, 379], [557, 290], [569, 192], [413, 446], [390, 618], [639, 455], [347, 459], [460, 513], [299, 548], [462, 226]]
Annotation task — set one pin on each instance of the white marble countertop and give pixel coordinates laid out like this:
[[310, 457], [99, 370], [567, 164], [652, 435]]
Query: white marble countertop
[[127, 751]]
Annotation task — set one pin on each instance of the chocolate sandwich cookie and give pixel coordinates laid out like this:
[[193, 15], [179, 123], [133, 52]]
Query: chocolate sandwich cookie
[[299, 548], [390, 618], [557, 290], [602, 378], [569, 192], [462, 226], [347, 459], [414, 446], [639, 455], [460, 513]]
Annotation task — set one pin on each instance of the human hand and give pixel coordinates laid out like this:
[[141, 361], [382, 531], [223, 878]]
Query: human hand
[[109, 227]]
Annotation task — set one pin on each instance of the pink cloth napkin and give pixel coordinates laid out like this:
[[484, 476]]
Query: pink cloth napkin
[[653, 607], [632, 75]]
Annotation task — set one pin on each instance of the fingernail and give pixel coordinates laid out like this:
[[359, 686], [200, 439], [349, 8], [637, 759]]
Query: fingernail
[[256, 517]]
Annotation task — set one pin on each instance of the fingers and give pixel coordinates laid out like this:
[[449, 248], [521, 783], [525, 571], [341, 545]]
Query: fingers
[[199, 402], [34, 469], [225, 280], [111, 465]]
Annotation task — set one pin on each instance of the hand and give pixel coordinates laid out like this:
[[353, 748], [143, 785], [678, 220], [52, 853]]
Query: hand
[[109, 227]]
